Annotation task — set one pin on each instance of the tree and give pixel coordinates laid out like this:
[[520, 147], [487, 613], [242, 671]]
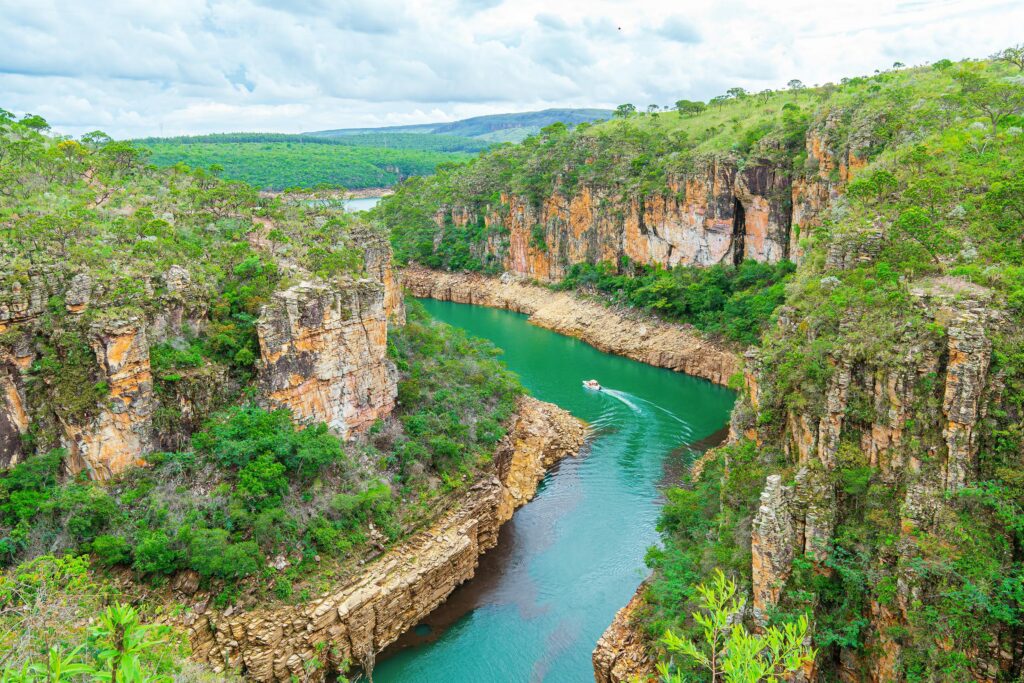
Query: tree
[[624, 111], [796, 85], [736, 93], [719, 100], [1012, 55], [689, 107], [995, 99], [652, 108], [729, 652]]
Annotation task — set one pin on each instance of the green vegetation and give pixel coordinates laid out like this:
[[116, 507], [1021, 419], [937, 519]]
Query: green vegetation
[[383, 140], [735, 302], [299, 162], [933, 224], [93, 208], [928, 225], [59, 624], [147, 241], [727, 650], [274, 490], [493, 128]]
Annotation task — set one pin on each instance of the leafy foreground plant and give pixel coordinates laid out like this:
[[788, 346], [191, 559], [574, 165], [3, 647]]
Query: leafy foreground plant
[[731, 653], [47, 631]]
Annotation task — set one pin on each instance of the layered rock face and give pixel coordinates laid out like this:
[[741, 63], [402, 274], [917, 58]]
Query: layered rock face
[[626, 333], [621, 654], [122, 430], [323, 348], [324, 354], [363, 616], [874, 415], [718, 214], [378, 264], [14, 419]]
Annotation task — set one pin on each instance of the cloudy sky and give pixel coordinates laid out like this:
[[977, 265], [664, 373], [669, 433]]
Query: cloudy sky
[[149, 67]]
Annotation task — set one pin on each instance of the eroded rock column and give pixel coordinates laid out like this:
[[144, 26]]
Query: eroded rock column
[[323, 349]]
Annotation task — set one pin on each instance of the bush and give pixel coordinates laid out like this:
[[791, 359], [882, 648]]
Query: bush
[[111, 550], [212, 554], [154, 554], [262, 482]]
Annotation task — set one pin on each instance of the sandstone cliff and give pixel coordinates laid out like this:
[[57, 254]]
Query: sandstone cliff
[[122, 431], [323, 348], [722, 212], [621, 654], [874, 416], [360, 618], [631, 334], [324, 354]]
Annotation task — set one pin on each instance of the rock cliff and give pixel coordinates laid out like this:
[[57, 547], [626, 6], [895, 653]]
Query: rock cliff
[[122, 430], [626, 333], [361, 617], [621, 655], [722, 212], [914, 425], [323, 349]]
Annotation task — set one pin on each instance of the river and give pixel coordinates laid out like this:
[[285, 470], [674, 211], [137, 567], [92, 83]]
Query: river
[[568, 560]]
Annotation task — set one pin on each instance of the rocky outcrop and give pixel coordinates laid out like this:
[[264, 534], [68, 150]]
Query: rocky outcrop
[[323, 350], [626, 333], [621, 653], [875, 416], [361, 617], [13, 409], [378, 264], [719, 214], [121, 432]]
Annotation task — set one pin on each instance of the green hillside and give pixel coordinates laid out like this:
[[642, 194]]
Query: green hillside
[[277, 162]]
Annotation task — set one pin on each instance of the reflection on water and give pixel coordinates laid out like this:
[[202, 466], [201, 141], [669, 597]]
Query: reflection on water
[[567, 561]]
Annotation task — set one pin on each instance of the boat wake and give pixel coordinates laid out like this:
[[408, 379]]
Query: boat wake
[[629, 399]]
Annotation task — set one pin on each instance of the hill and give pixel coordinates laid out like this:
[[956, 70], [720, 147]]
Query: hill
[[495, 127], [353, 158]]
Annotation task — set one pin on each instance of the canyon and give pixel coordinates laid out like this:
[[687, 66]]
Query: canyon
[[720, 213], [323, 348], [623, 332]]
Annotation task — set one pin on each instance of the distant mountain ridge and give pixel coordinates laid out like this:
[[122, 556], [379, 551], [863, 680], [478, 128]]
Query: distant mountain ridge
[[494, 127]]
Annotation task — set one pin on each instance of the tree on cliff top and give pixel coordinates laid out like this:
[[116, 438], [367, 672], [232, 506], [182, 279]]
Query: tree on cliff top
[[1012, 55], [624, 111]]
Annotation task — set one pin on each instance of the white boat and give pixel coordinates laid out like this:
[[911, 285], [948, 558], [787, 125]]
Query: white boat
[[591, 384]]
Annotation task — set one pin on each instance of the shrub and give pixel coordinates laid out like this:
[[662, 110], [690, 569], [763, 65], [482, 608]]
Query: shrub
[[212, 554], [261, 483], [111, 550], [154, 554]]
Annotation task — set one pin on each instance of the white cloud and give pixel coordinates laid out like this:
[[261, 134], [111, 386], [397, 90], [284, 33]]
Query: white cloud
[[181, 66]]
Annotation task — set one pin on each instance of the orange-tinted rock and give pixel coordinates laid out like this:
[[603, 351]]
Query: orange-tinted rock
[[358, 619], [621, 652], [716, 215], [323, 350], [121, 433]]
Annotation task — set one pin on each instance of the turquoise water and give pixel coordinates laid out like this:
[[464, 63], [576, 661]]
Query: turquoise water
[[361, 204], [569, 559]]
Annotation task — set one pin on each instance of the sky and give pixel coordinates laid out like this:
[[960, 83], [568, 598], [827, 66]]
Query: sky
[[170, 67]]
